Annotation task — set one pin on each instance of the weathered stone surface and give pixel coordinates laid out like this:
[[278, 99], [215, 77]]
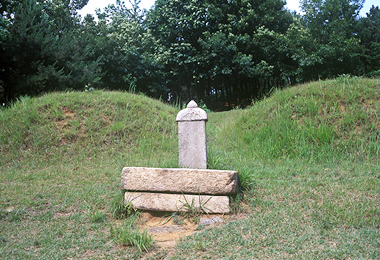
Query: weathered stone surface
[[177, 202], [210, 221], [191, 113], [196, 181], [192, 143]]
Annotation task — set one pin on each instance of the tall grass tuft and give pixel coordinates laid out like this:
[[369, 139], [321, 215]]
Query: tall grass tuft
[[125, 235]]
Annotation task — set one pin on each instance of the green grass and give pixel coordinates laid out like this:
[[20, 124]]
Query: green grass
[[307, 159], [125, 234]]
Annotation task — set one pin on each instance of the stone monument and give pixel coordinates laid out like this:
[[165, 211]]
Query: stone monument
[[161, 189], [192, 137]]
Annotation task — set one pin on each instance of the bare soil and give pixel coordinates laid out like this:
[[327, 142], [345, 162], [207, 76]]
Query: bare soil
[[167, 229]]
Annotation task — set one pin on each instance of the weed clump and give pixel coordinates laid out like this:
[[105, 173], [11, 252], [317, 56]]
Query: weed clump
[[118, 209], [97, 217], [126, 235]]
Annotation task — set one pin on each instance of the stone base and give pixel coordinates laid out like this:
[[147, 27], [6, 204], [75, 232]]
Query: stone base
[[179, 180], [177, 202]]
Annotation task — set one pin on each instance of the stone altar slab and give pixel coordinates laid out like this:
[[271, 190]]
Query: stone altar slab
[[179, 180]]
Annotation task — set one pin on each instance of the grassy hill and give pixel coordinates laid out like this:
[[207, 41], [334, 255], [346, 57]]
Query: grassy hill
[[61, 126], [307, 158]]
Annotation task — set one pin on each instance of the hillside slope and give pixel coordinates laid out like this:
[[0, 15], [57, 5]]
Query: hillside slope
[[315, 121], [61, 126]]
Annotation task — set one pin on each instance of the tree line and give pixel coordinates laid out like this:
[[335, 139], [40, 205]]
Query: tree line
[[223, 52]]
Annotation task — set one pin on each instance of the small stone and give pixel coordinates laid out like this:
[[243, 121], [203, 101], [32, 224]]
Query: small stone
[[146, 216], [210, 221]]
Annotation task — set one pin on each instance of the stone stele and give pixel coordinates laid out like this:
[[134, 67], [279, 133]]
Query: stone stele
[[179, 180], [177, 202], [192, 137]]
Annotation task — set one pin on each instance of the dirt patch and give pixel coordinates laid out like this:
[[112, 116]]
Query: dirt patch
[[168, 228], [342, 107], [68, 213], [68, 112], [68, 131], [358, 129]]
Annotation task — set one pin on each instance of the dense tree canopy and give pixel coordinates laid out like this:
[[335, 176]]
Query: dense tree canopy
[[45, 49], [216, 47], [369, 33], [224, 52]]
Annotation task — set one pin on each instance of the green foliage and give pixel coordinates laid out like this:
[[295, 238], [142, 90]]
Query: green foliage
[[4, 33], [369, 33], [45, 51], [204, 107], [130, 56], [246, 180], [333, 27], [331, 18], [213, 49]]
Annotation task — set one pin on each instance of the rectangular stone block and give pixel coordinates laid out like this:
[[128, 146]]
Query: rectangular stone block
[[192, 144], [177, 202], [173, 180]]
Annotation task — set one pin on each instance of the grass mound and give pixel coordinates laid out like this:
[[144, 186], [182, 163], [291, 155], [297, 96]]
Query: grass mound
[[318, 121], [94, 124]]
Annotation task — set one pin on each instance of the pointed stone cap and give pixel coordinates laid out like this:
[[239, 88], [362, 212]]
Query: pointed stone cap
[[192, 104], [192, 113]]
